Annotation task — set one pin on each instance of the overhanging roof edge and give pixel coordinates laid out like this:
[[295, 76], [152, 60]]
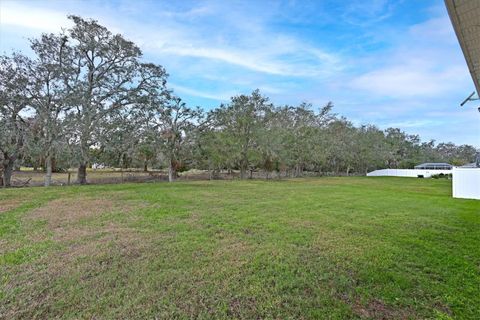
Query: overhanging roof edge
[[452, 12]]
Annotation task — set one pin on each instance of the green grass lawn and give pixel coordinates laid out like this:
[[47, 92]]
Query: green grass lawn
[[336, 248]]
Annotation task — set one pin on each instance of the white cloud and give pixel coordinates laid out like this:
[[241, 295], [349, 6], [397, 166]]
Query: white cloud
[[411, 80], [202, 94], [254, 60], [17, 14], [413, 123], [424, 65], [436, 30], [364, 13]]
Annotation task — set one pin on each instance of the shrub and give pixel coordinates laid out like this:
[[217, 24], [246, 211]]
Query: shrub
[[442, 176]]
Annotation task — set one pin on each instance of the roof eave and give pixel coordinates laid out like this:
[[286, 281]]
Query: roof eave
[[452, 12]]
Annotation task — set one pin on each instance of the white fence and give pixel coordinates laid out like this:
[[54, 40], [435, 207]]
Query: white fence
[[466, 183], [413, 173]]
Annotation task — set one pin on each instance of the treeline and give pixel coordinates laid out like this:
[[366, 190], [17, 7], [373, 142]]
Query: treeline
[[87, 97]]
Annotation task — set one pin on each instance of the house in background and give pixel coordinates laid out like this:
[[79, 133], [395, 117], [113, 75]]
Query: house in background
[[434, 166]]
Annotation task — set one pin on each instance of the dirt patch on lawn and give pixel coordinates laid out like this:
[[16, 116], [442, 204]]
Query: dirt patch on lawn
[[87, 249], [242, 307], [93, 261], [65, 218], [7, 205], [77, 225], [66, 211], [99, 248], [376, 309]]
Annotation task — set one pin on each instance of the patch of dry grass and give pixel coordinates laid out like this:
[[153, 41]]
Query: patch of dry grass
[[9, 204], [64, 217], [82, 246]]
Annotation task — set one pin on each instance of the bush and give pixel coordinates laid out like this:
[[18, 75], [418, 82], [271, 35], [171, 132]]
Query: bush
[[442, 176]]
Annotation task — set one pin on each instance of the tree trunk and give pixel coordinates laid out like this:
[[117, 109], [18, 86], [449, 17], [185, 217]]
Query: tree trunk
[[297, 171], [242, 172], [210, 171], [145, 166], [7, 173], [48, 173], [53, 163], [171, 172], [82, 174]]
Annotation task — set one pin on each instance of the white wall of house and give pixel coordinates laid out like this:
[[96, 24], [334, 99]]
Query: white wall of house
[[466, 183], [413, 173]]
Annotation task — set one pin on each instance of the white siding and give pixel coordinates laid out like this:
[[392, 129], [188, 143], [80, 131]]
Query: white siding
[[466, 183]]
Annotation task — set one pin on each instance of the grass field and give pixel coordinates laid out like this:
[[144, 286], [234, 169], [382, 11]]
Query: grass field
[[336, 248]]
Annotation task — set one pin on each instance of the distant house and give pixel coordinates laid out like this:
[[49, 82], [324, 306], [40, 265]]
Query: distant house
[[434, 166], [469, 165]]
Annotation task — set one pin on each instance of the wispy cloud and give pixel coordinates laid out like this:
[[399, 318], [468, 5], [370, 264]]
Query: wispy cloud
[[259, 61], [411, 80], [414, 123], [17, 14], [365, 13], [425, 68], [202, 94]]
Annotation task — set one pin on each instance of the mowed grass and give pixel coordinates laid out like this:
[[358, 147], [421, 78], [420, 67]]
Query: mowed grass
[[336, 248]]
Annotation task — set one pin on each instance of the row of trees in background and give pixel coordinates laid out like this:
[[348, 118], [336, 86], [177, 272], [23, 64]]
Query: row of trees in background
[[86, 97]]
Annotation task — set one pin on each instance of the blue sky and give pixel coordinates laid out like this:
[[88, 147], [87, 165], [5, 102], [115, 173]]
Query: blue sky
[[389, 63]]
